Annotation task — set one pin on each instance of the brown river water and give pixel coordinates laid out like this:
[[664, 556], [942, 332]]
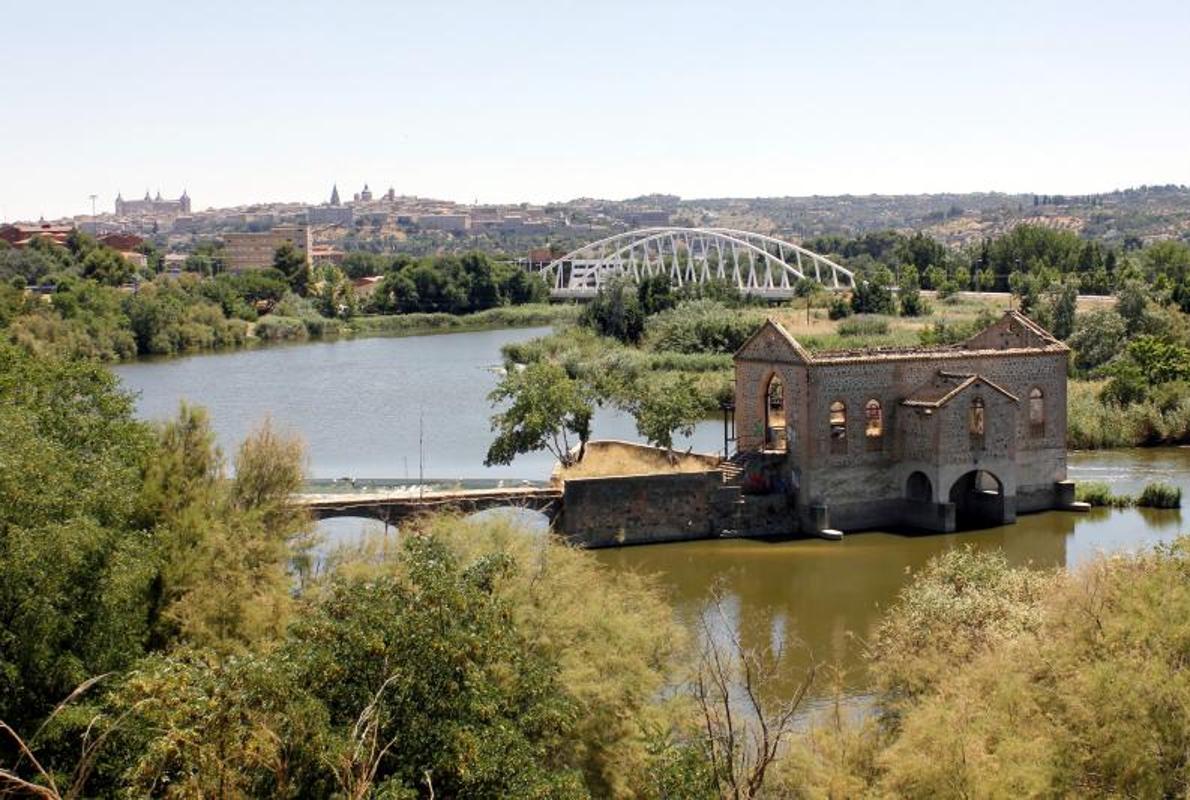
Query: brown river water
[[389, 409]]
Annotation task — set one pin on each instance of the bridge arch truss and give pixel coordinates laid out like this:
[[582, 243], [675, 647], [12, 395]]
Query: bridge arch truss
[[754, 263]]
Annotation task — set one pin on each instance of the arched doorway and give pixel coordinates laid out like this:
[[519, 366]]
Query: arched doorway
[[919, 488], [978, 498], [774, 414]]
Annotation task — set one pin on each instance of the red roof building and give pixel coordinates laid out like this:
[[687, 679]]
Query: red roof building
[[22, 235]]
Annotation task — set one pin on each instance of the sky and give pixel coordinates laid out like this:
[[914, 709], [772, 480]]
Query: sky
[[241, 102]]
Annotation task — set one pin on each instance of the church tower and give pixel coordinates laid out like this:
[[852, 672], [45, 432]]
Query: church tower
[[335, 195]]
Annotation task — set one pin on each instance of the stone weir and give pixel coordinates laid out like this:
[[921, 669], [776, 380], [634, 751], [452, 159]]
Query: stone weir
[[649, 498], [621, 493], [394, 506]]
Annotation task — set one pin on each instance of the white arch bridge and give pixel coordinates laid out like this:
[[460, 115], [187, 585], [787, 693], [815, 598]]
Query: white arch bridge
[[754, 263]]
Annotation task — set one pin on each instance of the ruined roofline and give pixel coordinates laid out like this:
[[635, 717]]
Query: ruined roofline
[[928, 354], [769, 322], [1030, 324], [869, 355], [965, 380]]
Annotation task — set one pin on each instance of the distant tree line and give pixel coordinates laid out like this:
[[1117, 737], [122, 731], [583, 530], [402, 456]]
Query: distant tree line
[[1035, 254]]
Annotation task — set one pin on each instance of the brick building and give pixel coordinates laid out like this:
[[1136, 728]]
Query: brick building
[[256, 250], [928, 438], [23, 235]]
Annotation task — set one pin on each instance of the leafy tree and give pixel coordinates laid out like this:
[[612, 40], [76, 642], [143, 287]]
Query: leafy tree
[[873, 294], [668, 408], [655, 294], [616, 312], [1027, 289], [335, 295], [1132, 301], [295, 266], [700, 326], [545, 407], [71, 577], [912, 303], [485, 716], [106, 266], [521, 287], [1062, 302], [935, 276], [839, 307], [1098, 337], [1031, 248], [923, 252], [1087, 664]]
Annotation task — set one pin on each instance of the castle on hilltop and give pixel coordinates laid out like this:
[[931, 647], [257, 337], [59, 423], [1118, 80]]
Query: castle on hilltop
[[152, 206]]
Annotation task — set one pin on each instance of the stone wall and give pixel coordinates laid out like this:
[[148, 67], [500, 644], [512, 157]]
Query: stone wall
[[1013, 354], [638, 509]]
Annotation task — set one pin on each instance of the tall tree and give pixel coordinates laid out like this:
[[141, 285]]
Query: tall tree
[[295, 266], [546, 408]]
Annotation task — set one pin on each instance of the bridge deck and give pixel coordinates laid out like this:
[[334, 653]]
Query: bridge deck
[[393, 505]]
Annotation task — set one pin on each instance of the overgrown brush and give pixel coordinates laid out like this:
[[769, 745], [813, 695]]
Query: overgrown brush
[[1093, 423], [864, 325], [1160, 495], [1099, 494], [701, 326]]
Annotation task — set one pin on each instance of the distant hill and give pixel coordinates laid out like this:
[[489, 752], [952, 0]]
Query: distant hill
[[1148, 213]]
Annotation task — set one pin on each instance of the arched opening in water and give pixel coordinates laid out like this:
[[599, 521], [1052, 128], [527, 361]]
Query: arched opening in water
[[919, 488], [774, 414], [978, 497]]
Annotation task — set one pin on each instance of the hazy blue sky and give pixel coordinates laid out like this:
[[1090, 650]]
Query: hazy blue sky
[[553, 100]]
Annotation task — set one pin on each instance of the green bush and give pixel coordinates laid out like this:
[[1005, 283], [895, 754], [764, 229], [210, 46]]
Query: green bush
[[1099, 494], [864, 325], [1083, 697], [701, 326], [839, 307], [616, 312], [1160, 495], [274, 328]]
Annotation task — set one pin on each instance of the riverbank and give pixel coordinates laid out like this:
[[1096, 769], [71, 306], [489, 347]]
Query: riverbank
[[503, 318], [277, 329]]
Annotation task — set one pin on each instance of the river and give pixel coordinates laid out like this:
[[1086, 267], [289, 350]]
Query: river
[[390, 409]]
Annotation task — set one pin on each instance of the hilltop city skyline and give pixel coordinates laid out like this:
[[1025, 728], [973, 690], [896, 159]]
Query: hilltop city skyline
[[538, 102]]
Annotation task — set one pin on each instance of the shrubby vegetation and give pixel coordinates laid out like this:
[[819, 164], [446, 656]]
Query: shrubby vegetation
[[99, 307], [453, 285], [1154, 495], [166, 632]]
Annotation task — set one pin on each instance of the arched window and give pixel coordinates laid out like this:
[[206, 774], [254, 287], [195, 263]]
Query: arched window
[[838, 420], [1037, 412], [976, 423], [873, 424], [774, 415]]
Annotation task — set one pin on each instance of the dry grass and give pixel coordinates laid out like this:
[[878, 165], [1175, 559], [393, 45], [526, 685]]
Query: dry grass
[[605, 459]]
